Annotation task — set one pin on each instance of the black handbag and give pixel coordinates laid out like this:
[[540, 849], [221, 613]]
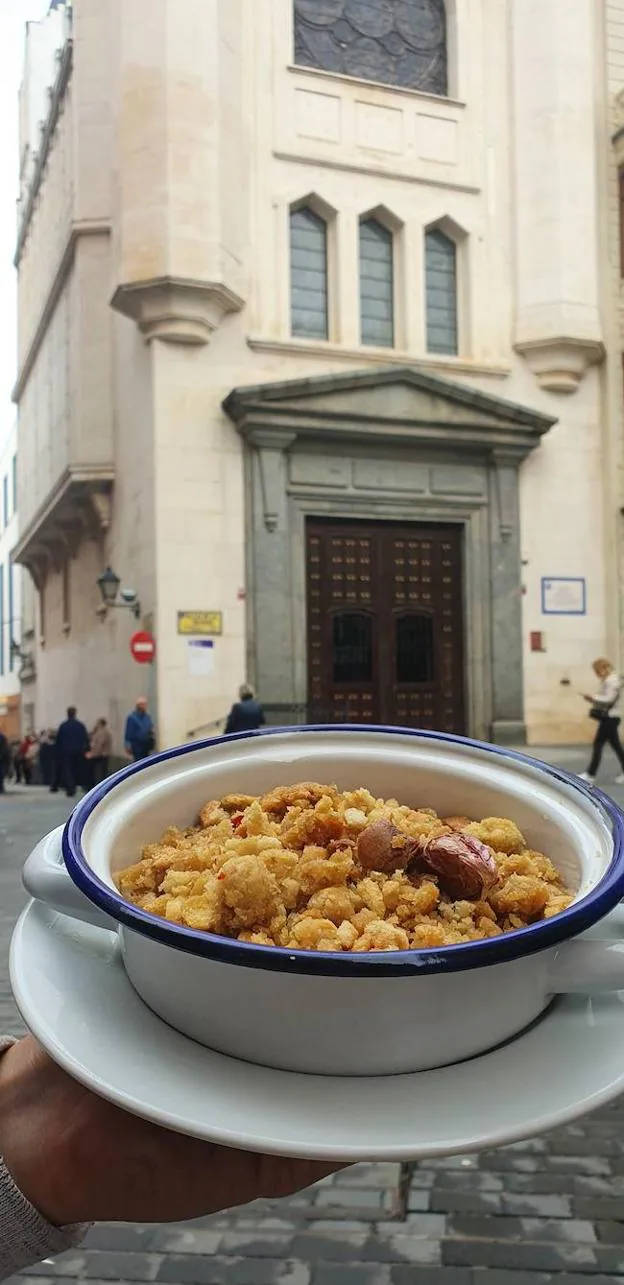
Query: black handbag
[[600, 712]]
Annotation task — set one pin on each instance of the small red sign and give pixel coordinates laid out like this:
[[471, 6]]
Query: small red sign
[[143, 648]]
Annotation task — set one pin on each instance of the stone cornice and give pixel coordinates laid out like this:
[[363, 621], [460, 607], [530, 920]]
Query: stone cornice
[[434, 412], [176, 310], [57, 97]]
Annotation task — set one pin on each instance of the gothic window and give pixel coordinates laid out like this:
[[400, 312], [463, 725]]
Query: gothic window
[[308, 274], [394, 42], [441, 292], [376, 284]]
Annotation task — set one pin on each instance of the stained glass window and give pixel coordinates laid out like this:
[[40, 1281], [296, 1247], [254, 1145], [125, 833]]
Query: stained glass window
[[395, 42]]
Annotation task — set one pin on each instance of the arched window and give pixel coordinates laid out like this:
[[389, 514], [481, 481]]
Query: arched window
[[308, 274], [376, 284], [441, 292], [394, 42]]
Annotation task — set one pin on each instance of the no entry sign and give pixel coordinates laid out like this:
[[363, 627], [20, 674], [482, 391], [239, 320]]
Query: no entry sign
[[143, 648]]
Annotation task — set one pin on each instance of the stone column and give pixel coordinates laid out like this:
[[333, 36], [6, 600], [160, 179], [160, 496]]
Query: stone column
[[181, 143], [508, 726], [270, 538], [554, 53]]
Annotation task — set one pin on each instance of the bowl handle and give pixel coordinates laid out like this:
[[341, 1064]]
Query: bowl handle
[[44, 876], [582, 965]]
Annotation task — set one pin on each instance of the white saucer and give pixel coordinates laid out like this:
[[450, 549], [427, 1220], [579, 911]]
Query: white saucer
[[74, 995]]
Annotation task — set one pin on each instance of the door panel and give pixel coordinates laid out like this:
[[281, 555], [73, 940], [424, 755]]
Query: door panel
[[385, 624]]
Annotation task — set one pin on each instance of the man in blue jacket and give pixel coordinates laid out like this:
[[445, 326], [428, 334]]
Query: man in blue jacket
[[72, 743], [139, 739]]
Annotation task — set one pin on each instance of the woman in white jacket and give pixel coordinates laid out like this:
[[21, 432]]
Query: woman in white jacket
[[606, 704]]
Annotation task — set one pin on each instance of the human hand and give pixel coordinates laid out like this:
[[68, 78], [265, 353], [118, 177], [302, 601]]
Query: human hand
[[79, 1159]]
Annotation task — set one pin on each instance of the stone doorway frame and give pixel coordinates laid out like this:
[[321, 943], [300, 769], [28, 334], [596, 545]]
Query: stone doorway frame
[[307, 441]]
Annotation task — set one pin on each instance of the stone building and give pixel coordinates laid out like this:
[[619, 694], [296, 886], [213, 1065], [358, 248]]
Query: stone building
[[318, 337], [13, 659]]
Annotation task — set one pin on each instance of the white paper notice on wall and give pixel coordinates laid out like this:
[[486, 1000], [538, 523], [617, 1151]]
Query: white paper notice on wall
[[201, 657], [564, 596]]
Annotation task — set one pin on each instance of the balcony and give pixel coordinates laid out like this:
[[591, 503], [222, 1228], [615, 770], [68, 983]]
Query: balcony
[[78, 508]]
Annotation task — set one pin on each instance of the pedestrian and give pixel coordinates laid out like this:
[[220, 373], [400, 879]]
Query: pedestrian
[[246, 713], [605, 710], [46, 756], [100, 750], [5, 760], [68, 1158], [14, 771], [139, 736], [72, 744], [25, 759]]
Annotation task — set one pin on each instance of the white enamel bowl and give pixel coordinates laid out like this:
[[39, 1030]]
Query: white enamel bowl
[[345, 1014]]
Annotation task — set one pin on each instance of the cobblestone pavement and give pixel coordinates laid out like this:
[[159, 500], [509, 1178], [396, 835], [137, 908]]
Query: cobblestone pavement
[[547, 1210]]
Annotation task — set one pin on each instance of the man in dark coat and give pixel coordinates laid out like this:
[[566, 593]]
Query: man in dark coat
[[72, 743], [246, 714]]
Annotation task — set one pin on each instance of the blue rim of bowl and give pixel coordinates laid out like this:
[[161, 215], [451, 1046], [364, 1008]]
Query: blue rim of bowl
[[478, 954]]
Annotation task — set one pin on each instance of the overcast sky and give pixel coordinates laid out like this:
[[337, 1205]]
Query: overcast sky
[[13, 16]]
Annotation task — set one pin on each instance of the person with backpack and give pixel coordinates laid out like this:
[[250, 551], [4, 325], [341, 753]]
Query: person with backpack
[[605, 710]]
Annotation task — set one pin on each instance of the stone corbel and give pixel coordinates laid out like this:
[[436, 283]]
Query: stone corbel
[[59, 545], [39, 565], [506, 482], [271, 444], [98, 516], [560, 364], [176, 310]]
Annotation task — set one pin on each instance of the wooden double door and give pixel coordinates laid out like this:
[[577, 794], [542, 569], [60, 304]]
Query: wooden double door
[[385, 624]]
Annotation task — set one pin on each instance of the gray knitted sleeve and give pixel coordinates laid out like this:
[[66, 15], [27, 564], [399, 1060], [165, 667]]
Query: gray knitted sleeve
[[26, 1237]]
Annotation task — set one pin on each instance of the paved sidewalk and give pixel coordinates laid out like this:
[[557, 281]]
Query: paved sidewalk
[[547, 1210]]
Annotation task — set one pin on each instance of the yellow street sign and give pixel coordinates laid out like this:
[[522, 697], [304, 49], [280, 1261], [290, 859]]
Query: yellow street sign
[[200, 622]]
